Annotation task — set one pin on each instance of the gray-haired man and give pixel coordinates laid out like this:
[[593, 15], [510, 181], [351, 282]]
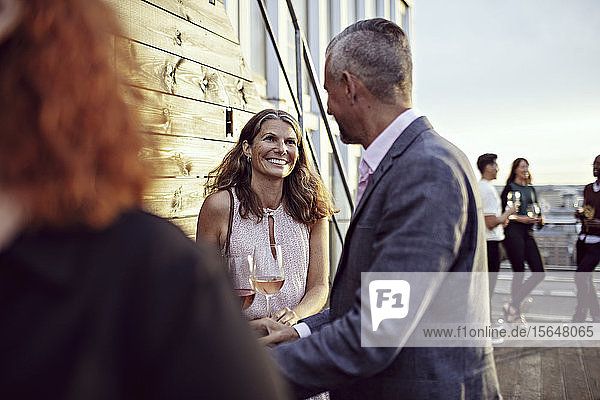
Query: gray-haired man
[[417, 212]]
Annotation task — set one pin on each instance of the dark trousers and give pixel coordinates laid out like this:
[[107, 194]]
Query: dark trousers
[[494, 256], [588, 256], [521, 247], [494, 252]]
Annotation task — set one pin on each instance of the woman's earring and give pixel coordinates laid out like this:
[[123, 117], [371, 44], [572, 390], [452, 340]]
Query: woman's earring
[[249, 159]]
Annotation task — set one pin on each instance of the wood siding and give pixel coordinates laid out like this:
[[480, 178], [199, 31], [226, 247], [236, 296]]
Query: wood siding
[[191, 71]]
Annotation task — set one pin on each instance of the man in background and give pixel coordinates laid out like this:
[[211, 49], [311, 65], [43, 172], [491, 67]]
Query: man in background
[[495, 219], [588, 249]]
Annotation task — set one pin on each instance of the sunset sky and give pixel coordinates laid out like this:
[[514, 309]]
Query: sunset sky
[[513, 77]]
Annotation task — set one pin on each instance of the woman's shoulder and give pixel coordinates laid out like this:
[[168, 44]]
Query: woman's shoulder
[[515, 186], [529, 187], [219, 200], [218, 203]]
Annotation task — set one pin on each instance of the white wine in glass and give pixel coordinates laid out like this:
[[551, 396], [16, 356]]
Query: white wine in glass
[[267, 271]]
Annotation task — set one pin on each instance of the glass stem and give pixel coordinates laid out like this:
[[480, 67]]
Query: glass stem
[[268, 296]]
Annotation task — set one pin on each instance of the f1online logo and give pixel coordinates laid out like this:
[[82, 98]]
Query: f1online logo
[[389, 299]]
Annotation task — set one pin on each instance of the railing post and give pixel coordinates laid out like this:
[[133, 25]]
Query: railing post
[[299, 74], [302, 49], [268, 27], [313, 80]]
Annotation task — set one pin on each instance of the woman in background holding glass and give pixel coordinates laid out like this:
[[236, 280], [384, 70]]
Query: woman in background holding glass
[[277, 199], [519, 242]]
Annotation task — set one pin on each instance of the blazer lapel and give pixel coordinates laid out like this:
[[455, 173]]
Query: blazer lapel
[[408, 136], [400, 145]]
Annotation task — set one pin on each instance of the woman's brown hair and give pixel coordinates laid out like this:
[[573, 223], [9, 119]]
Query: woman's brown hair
[[69, 144], [513, 168], [305, 197]]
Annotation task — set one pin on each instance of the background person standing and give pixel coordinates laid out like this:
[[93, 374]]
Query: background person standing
[[588, 250], [519, 242], [495, 219]]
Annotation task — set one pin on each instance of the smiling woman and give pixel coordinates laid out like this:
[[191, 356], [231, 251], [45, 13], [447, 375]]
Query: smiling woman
[[303, 194], [274, 151], [519, 242], [266, 174]]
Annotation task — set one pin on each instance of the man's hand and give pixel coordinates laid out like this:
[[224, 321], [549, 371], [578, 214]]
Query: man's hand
[[273, 333], [524, 219]]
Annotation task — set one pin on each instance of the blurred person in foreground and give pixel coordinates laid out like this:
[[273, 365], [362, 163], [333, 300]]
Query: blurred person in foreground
[[417, 211], [98, 300], [495, 219], [588, 250], [519, 241]]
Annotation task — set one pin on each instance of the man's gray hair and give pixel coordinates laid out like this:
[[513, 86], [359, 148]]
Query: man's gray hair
[[378, 53]]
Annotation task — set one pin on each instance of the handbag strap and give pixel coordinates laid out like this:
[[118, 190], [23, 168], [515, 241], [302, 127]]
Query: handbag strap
[[227, 243]]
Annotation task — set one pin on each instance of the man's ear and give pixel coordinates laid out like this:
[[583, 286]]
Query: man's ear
[[349, 82]]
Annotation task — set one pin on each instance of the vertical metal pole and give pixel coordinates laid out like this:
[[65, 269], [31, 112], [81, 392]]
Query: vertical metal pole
[[299, 76], [302, 50], [313, 80], [268, 27]]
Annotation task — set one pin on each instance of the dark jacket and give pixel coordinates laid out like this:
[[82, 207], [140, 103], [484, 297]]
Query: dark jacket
[[134, 311]]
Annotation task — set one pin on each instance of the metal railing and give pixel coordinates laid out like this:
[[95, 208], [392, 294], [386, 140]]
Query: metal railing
[[303, 52], [546, 244]]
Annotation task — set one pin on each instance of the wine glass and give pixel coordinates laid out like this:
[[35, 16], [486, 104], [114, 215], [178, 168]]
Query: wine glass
[[578, 205], [537, 210], [579, 213], [517, 200], [530, 211], [510, 203], [239, 274], [267, 271]]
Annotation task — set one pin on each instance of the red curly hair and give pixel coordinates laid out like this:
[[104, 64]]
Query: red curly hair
[[69, 144]]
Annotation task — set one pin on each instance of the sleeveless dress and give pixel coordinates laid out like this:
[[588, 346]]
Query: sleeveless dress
[[293, 237]]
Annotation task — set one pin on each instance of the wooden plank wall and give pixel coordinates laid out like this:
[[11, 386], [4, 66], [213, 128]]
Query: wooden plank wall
[[191, 72]]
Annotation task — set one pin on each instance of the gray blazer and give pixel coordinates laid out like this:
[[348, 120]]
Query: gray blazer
[[419, 212]]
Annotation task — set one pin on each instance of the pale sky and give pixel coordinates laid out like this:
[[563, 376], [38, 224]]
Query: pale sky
[[519, 78]]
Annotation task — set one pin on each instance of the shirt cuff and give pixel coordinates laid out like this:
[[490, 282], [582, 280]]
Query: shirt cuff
[[303, 329]]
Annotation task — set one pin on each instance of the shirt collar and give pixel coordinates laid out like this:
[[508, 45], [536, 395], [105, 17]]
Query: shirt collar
[[373, 154], [596, 187]]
